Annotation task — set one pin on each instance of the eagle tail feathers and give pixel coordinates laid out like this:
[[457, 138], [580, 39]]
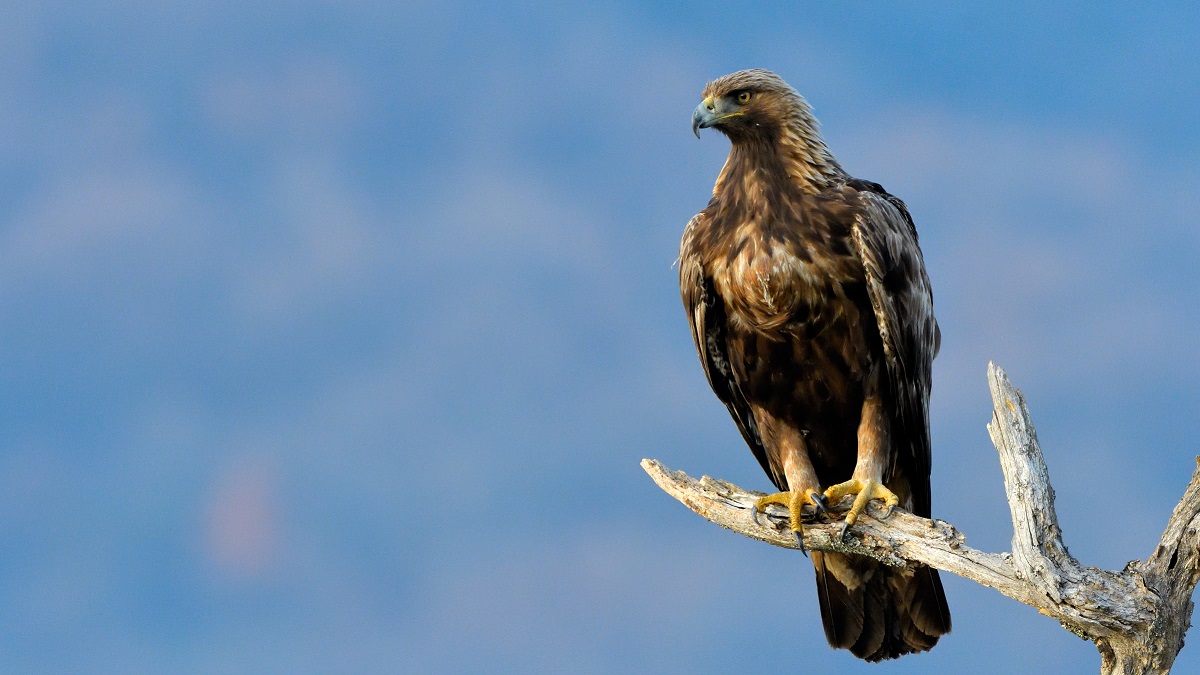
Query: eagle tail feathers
[[878, 612]]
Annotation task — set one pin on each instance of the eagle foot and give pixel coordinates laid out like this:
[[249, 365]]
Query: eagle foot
[[794, 501], [863, 491]]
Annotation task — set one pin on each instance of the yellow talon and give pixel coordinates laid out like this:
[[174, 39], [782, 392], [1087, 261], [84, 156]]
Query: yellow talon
[[864, 492], [794, 501]]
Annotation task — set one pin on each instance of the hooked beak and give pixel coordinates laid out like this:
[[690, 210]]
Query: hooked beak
[[704, 116]]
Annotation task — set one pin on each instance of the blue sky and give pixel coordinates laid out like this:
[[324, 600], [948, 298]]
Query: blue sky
[[334, 334]]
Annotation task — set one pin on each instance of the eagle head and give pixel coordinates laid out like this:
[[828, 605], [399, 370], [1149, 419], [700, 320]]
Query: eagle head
[[751, 103]]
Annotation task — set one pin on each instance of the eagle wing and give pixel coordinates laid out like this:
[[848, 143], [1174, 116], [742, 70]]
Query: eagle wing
[[707, 319], [899, 289]]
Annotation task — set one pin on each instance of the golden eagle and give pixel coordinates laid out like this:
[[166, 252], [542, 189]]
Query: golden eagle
[[813, 317]]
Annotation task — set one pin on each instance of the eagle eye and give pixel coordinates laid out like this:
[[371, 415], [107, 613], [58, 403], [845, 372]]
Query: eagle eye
[[743, 97]]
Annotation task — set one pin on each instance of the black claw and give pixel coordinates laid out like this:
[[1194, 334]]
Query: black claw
[[821, 503], [754, 515], [844, 531], [888, 513], [800, 541]]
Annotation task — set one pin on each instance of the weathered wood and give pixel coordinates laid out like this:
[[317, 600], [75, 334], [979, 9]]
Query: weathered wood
[[1137, 617]]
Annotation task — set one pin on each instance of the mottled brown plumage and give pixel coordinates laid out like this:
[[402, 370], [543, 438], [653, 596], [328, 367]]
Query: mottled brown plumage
[[813, 317]]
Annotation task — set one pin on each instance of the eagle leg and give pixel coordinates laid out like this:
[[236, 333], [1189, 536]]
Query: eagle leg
[[794, 501], [864, 492]]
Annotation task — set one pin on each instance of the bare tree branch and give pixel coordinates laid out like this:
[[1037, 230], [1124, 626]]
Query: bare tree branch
[[1137, 617]]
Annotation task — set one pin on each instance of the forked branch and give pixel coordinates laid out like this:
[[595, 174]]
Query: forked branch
[[1137, 617]]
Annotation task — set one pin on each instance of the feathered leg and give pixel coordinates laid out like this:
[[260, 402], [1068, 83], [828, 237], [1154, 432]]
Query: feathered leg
[[867, 481], [791, 467]]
